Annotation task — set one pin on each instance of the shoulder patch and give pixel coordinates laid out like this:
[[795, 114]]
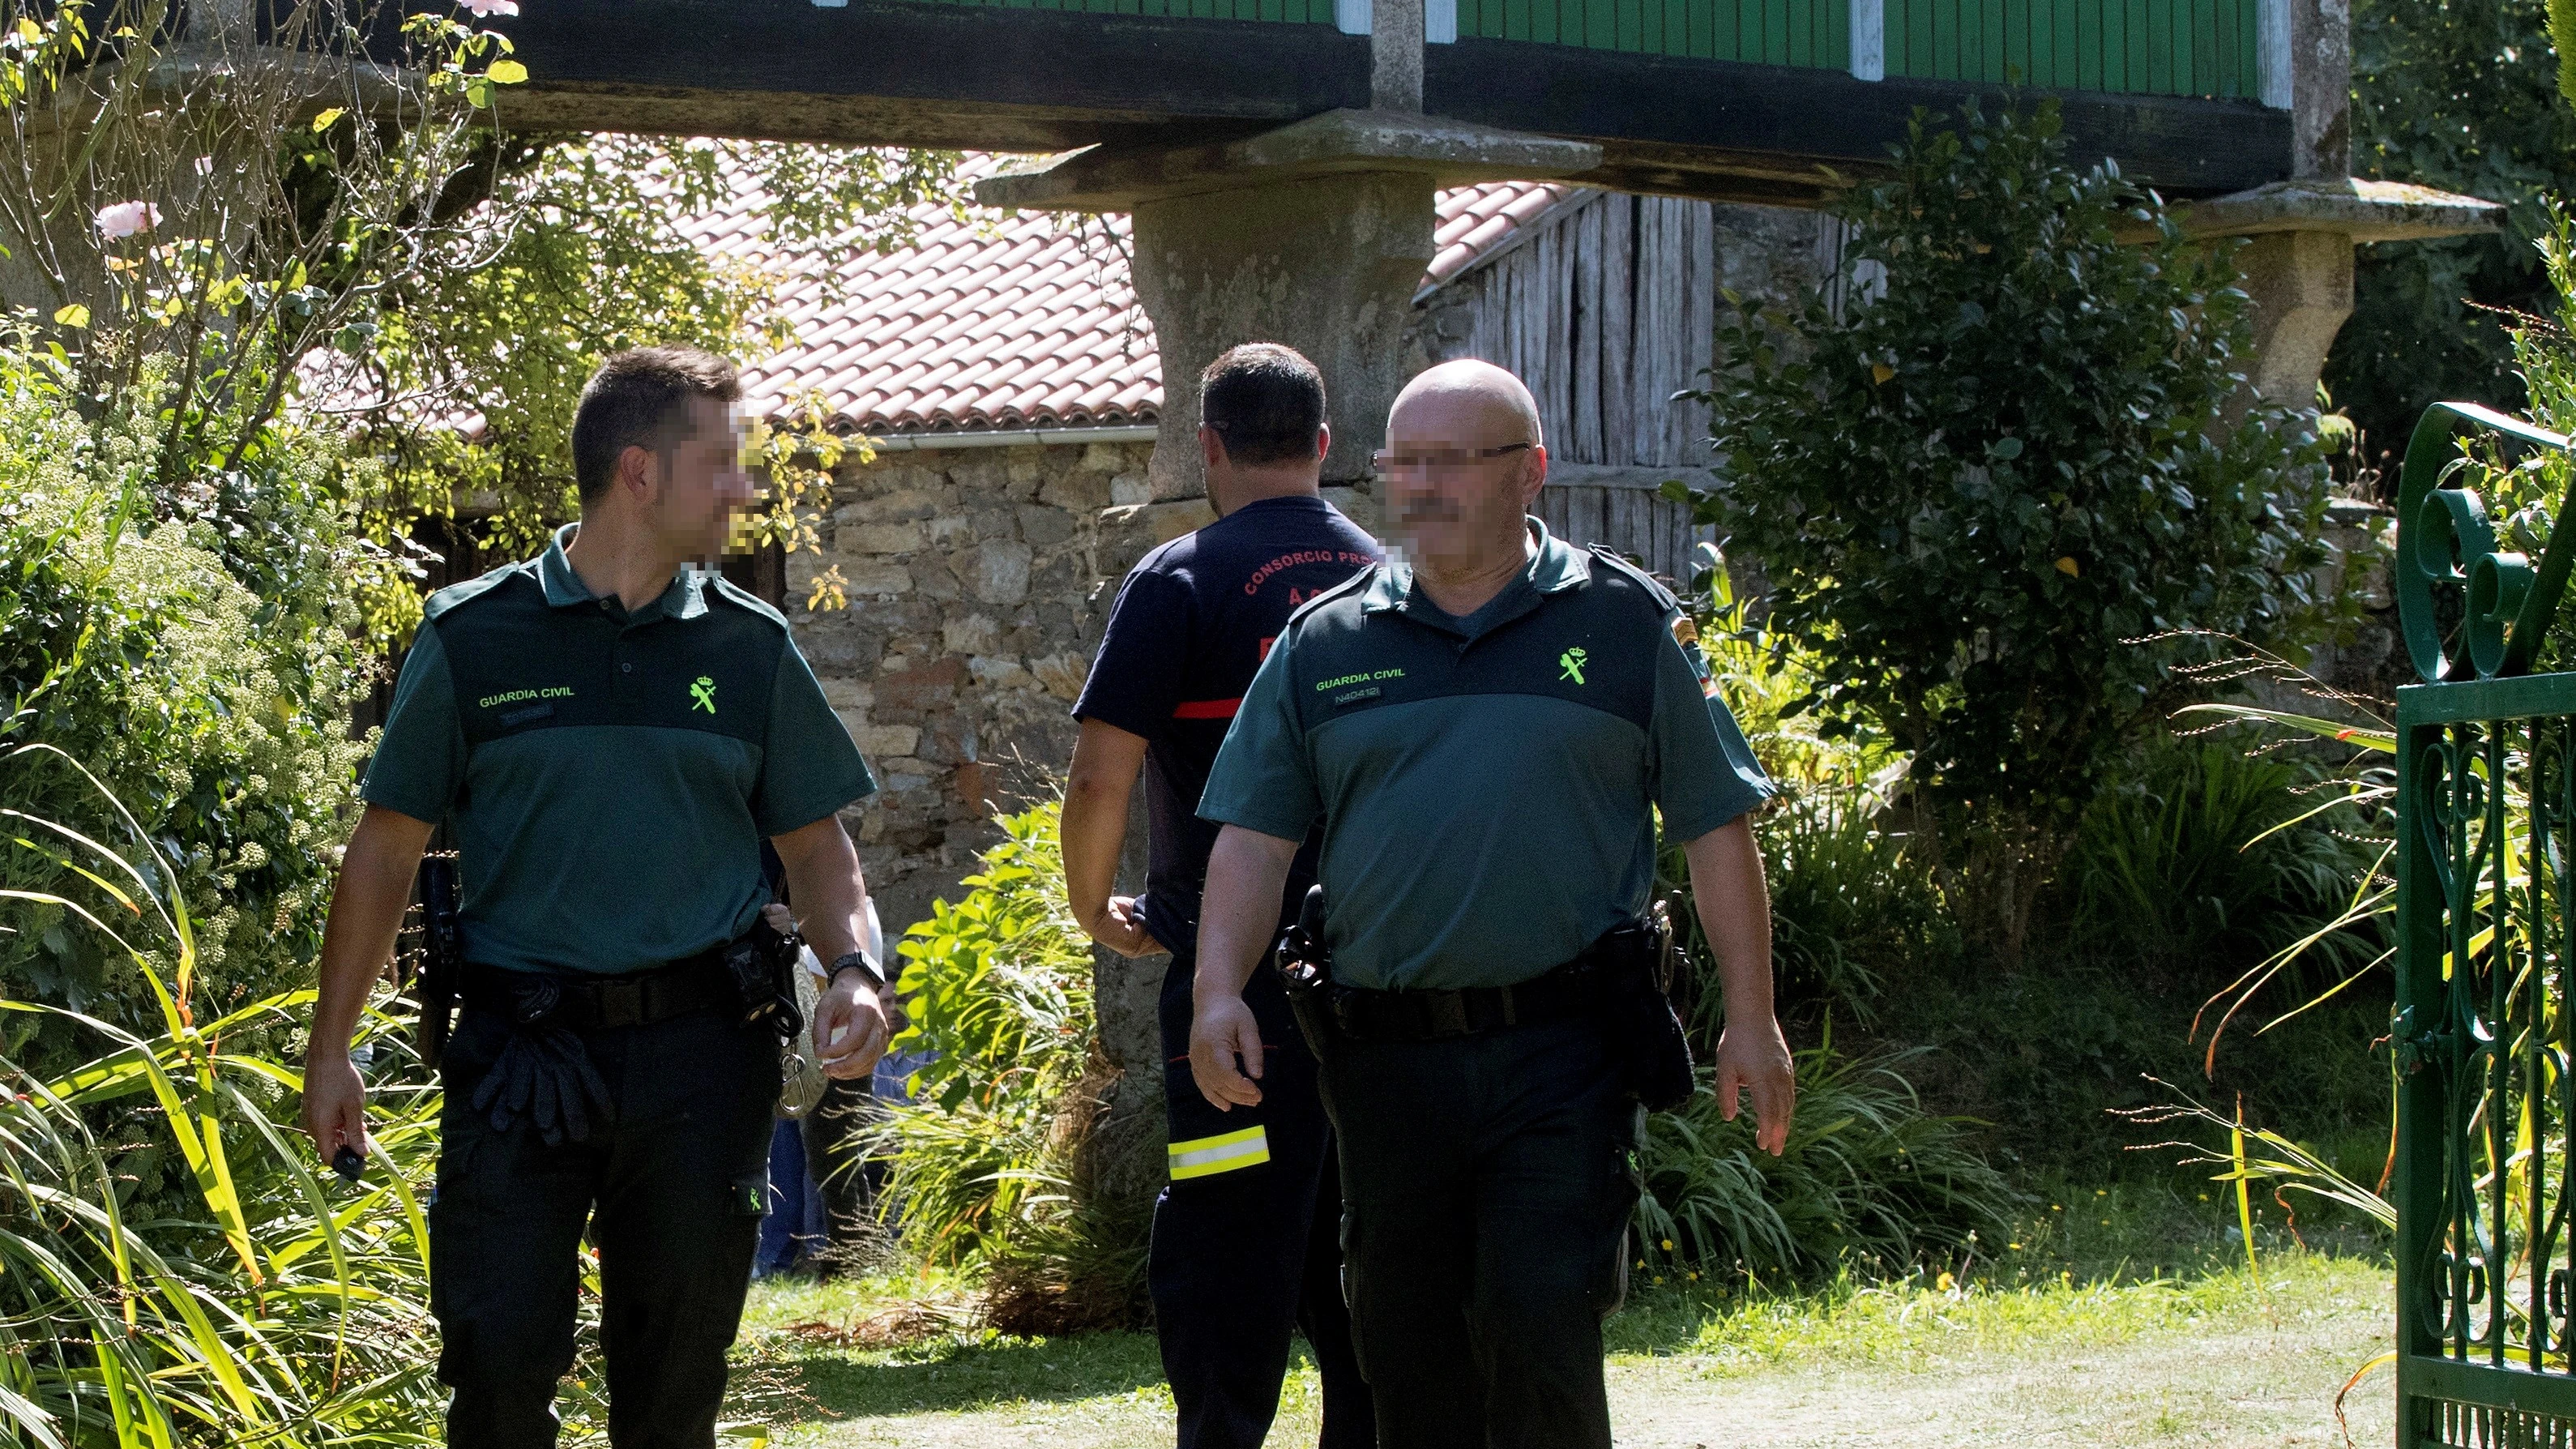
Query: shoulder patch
[[457, 595], [1345, 589], [1661, 597], [723, 588]]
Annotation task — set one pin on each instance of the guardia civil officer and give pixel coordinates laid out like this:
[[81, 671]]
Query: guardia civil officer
[[1244, 1244], [1484, 730], [608, 733]]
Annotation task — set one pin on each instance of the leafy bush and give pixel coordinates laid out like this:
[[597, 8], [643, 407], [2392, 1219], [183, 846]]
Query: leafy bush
[[2017, 445], [192, 648], [1870, 1182], [2459, 96], [263, 1307], [2212, 858], [990, 1170]]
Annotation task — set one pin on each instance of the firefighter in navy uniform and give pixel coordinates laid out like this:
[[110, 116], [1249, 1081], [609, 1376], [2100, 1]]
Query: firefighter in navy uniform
[[1244, 1244], [1485, 732], [609, 733]]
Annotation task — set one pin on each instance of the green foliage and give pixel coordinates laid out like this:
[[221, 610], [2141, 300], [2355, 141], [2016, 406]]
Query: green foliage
[[259, 1307], [990, 1169], [1849, 903], [2209, 857], [1870, 1182], [587, 246], [2017, 446], [2461, 96], [191, 647]]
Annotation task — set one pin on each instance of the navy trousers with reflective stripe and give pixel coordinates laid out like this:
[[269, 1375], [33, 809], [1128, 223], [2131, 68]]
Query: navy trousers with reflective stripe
[[1246, 1240]]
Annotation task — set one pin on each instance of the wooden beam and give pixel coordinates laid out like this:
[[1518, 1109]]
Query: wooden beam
[[881, 72]]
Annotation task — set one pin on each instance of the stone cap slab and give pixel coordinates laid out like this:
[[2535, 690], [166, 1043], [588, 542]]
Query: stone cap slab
[[2364, 210], [1452, 153]]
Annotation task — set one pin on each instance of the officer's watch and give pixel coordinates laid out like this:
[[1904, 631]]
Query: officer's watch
[[864, 964]]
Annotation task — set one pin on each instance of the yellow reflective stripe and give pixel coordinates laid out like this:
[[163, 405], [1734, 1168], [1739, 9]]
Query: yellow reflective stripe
[[1206, 1156]]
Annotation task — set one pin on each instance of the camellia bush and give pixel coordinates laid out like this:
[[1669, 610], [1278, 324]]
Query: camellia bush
[[2012, 443]]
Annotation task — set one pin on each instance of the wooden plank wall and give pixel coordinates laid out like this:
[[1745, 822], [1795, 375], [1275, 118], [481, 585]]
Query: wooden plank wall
[[2136, 47], [1764, 32], [1606, 313], [1311, 12], [1629, 516]]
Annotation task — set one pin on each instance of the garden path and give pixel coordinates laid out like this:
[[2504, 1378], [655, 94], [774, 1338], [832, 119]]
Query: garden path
[[2217, 1365]]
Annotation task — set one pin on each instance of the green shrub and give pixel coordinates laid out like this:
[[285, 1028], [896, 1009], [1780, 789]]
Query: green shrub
[[2016, 443], [193, 648], [1871, 1182], [271, 1304], [2211, 860], [990, 1170]]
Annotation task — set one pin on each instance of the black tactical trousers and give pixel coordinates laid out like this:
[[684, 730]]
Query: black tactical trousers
[[1245, 1243], [672, 1195], [1487, 1183]]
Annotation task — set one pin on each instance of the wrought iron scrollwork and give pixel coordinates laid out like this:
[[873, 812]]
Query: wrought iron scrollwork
[[2446, 549]]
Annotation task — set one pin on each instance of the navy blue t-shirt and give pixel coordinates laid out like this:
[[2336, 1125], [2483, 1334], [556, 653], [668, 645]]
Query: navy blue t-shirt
[[1189, 629]]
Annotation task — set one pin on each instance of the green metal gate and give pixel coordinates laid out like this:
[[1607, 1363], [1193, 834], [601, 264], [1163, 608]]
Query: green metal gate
[[2486, 923]]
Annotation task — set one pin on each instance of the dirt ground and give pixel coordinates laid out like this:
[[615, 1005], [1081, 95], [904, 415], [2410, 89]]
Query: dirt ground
[[2263, 1372]]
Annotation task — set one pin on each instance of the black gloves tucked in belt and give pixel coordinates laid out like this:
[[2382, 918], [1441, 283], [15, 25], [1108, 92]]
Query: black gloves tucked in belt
[[544, 1077]]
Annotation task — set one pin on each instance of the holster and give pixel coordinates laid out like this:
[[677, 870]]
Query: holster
[[1634, 964], [762, 966], [442, 957], [1305, 966]]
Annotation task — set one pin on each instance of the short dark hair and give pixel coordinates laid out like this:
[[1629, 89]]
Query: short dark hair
[[1265, 400], [634, 401]]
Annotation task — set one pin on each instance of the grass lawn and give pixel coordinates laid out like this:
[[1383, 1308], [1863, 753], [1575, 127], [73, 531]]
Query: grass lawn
[[2118, 1316]]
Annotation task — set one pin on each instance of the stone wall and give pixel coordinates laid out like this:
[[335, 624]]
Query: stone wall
[[978, 581]]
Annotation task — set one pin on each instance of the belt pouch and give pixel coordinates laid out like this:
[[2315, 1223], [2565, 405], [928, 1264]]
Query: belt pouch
[[1653, 1048]]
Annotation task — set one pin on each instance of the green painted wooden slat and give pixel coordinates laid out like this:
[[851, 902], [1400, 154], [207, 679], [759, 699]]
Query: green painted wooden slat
[[2134, 40], [2204, 48], [1797, 44], [1632, 24], [1775, 32], [2065, 56], [1600, 24], [2039, 67], [1992, 43], [2159, 47]]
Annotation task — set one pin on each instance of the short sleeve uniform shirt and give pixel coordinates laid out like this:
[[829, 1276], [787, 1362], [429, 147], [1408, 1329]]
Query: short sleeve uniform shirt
[[1190, 627], [1486, 786], [608, 776]]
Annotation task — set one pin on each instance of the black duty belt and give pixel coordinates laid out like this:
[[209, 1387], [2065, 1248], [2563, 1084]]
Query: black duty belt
[[591, 1003], [1570, 990]]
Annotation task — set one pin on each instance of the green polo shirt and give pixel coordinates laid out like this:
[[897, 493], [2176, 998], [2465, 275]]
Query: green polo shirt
[[607, 776], [1487, 785]]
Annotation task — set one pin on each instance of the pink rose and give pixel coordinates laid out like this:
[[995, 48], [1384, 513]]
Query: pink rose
[[126, 218]]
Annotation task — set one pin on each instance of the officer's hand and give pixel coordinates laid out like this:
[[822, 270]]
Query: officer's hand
[[1121, 928], [778, 918], [335, 1104], [1754, 1056], [1224, 1040], [850, 1027]]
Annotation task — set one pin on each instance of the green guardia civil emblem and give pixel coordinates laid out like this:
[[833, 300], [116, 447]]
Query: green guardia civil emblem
[[702, 695], [1572, 659]]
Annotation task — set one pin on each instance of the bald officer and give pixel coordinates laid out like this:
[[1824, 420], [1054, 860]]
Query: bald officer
[[1484, 730]]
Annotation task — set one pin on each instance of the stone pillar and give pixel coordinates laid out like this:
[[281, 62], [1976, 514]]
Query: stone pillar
[[1315, 235], [2320, 89], [2301, 283], [1395, 55], [2296, 262], [1328, 266]]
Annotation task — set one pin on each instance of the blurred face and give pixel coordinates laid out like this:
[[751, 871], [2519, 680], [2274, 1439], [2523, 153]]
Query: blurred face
[[1460, 470], [704, 483]]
